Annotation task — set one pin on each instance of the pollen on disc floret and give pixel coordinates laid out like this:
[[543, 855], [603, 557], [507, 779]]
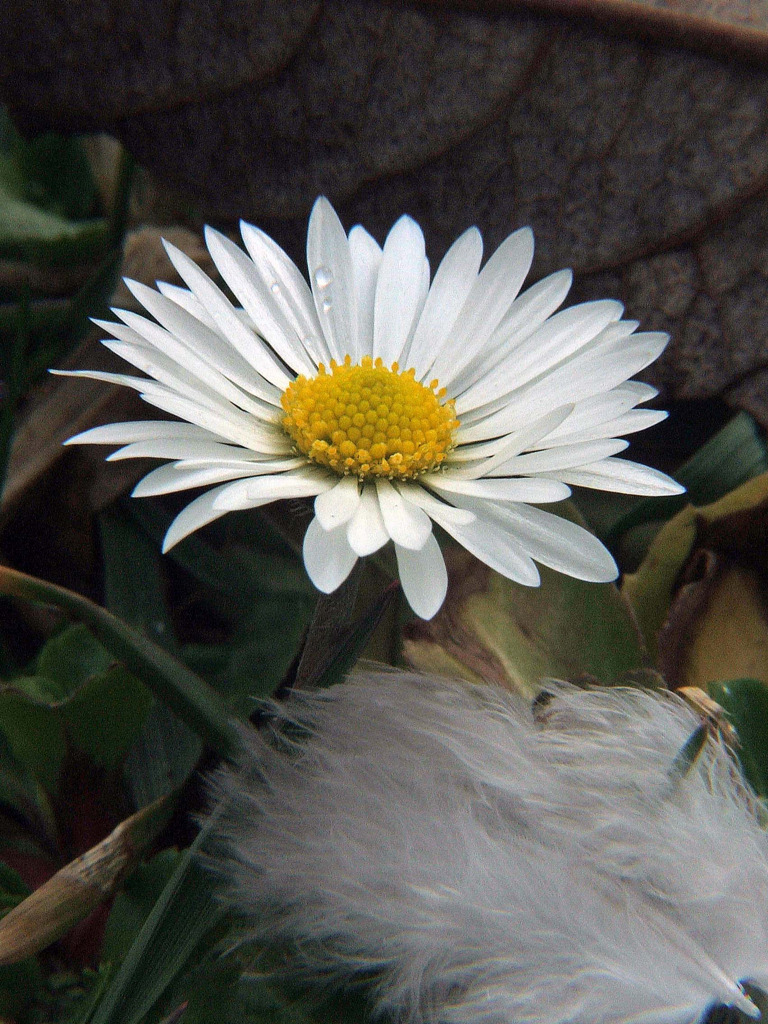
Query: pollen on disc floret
[[370, 420]]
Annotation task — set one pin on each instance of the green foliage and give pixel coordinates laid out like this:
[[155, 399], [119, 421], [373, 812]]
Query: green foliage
[[48, 199], [78, 699], [746, 702]]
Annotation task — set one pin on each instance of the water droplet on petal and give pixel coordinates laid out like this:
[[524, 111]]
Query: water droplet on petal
[[275, 288], [323, 277], [327, 305]]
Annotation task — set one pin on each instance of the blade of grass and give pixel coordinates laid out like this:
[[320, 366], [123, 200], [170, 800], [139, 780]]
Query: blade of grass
[[185, 911]]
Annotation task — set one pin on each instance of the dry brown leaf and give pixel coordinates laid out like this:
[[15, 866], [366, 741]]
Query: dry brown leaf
[[729, 639], [642, 165], [79, 887], [701, 594]]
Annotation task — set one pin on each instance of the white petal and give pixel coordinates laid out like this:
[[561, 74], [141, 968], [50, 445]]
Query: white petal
[[490, 298], [622, 476], [366, 532], [150, 360], [229, 423], [564, 456], [221, 310], [558, 543], [332, 279], [301, 483], [580, 369], [556, 340], [180, 477], [405, 355], [290, 292], [398, 290], [328, 558], [178, 359], [525, 315], [496, 548], [406, 523], [189, 302], [423, 577], [533, 307], [492, 453], [142, 430], [183, 448], [531, 489], [434, 507], [336, 507], [592, 413], [629, 423], [572, 382], [257, 300], [366, 260], [198, 513], [203, 340], [453, 281]]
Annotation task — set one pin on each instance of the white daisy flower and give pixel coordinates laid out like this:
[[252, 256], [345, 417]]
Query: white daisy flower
[[394, 402]]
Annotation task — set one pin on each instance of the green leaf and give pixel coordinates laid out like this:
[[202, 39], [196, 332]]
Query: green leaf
[[83, 700], [353, 641], [240, 568], [72, 658], [217, 992], [163, 757], [47, 199], [491, 629], [31, 234], [19, 987], [328, 634], [34, 731], [92, 987], [746, 703], [50, 169], [690, 752], [22, 797], [189, 696], [12, 888], [255, 659], [167, 751], [104, 717], [733, 526], [133, 589]]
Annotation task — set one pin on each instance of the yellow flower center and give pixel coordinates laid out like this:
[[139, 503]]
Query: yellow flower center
[[369, 420]]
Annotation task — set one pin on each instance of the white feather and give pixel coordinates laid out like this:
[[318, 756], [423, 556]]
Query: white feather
[[485, 865]]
